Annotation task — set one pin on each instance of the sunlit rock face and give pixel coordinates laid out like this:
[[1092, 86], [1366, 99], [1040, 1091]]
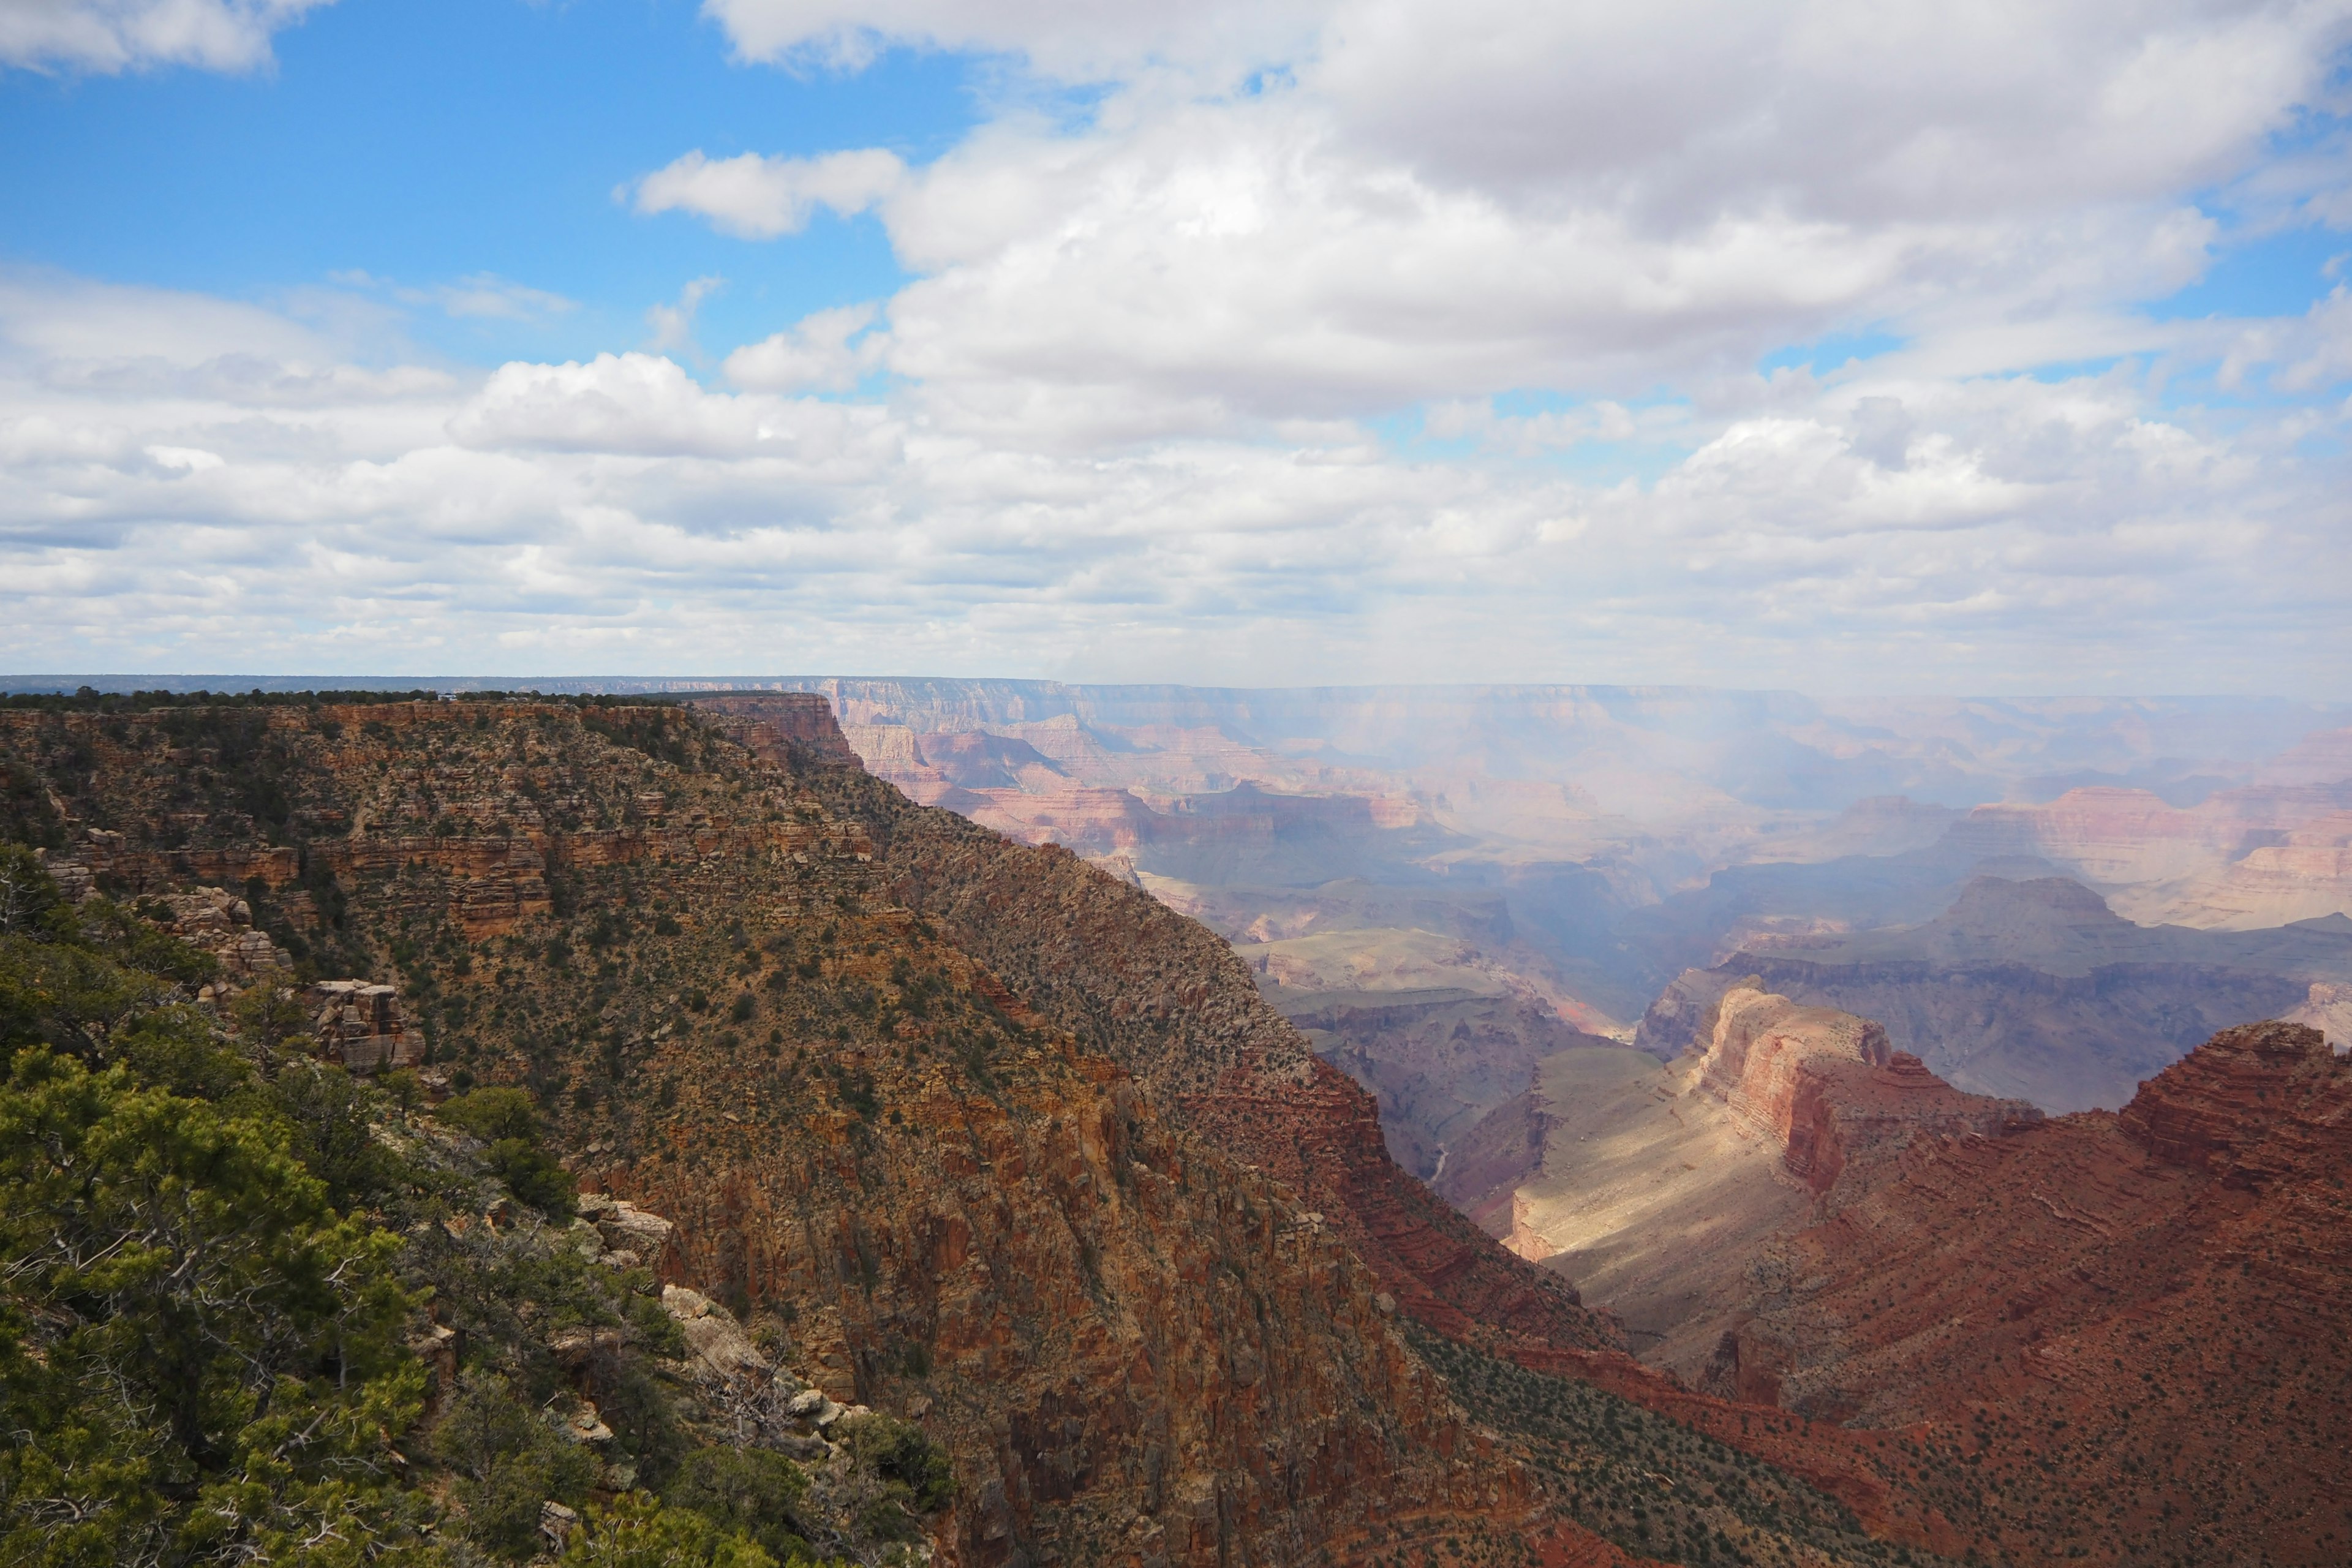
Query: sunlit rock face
[[1656, 1187]]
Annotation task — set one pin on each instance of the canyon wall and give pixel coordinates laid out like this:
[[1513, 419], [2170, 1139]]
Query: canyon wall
[[1657, 1187], [2124, 1330], [1015, 1228]]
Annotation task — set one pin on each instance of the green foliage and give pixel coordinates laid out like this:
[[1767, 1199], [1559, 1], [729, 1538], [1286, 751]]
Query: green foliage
[[491, 1114], [749, 1492], [30, 903], [508, 1120], [175, 1047], [199, 1359], [900, 1453], [62, 995], [329, 1115], [637, 1531], [133, 941], [509, 1461], [268, 1016]]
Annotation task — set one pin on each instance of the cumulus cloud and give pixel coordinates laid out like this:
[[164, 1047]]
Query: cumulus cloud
[[112, 36], [758, 198], [1916, 534], [1414, 201], [816, 355], [642, 405]]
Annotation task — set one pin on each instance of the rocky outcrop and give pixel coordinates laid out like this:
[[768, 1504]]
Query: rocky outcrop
[[216, 921], [1825, 1089], [2218, 1108], [359, 1026], [2119, 1331], [791, 725]]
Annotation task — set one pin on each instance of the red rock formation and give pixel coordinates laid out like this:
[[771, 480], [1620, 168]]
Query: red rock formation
[[2120, 1336], [1138, 1352], [1183, 1014], [1825, 1088]]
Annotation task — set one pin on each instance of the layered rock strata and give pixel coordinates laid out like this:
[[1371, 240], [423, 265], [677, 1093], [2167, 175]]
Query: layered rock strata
[[1656, 1188], [2033, 989], [758, 1000], [2119, 1333]]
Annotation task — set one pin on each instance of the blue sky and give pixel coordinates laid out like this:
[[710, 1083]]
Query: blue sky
[[1279, 342], [426, 141]]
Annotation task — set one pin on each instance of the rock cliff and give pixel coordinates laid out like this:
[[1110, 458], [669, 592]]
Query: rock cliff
[[1180, 1011], [749, 992], [2119, 1334], [1657, 1188]]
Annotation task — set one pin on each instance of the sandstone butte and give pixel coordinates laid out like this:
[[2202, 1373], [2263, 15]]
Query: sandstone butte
[[1010, 1149]]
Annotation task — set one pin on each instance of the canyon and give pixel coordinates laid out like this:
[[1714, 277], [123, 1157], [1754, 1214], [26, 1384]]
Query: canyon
[[1575, 852], [1657, 1187], [978, 1135], [2036, 988], [997, 1138]]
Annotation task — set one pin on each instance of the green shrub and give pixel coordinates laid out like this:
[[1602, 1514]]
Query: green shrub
[[199, 1359], [532, 1175], [637, 1531], [750, 1491], [508, 1120], [509, 1461], [491, 1114], [900, 1451]]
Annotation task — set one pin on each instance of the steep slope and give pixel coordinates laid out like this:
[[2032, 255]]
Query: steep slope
[[955, 1209], [1438, 1059], [1182, 1013], [2123, 1331]]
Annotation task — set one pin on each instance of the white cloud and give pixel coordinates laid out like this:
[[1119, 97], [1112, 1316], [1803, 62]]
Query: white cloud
[[480, 296], [1431, 201], [759, 198], [1135, 416], [815, 356], [673, 324], [112, 36], [643, 404], [1074, 43], [1909, 534]]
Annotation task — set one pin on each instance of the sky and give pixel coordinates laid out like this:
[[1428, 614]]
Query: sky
[[1850, 347]]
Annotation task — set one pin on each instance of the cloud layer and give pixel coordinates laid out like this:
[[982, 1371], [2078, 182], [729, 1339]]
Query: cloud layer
[[1382, 340]]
